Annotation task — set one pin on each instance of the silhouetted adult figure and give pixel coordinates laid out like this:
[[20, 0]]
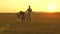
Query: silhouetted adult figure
[[22, 15], [29, 11]]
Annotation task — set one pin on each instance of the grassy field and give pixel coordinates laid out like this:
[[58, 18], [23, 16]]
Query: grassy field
[[42, 23]]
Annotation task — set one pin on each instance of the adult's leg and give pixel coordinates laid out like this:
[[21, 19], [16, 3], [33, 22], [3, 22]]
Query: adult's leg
[[28, 18]]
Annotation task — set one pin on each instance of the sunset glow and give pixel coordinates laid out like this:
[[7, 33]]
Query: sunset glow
[[14, 6], [52, 7]]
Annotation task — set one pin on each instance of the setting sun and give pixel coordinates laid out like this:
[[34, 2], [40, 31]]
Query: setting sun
[[52, 7]]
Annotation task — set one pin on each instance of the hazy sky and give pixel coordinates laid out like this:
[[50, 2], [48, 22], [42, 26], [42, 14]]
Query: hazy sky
[[36, 5]]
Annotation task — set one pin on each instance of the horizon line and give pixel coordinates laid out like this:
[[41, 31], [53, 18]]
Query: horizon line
[[36, 12]]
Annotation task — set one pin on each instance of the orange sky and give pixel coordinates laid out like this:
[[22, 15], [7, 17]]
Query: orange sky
[[13, 6]]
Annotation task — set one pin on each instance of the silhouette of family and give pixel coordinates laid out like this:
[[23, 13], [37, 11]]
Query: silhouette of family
[[25, 15]]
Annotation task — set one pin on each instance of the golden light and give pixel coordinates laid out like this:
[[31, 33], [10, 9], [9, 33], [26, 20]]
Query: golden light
[[52, 7], [13, 6]]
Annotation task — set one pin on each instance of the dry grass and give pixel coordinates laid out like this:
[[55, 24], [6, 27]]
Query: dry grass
[[42, 23]]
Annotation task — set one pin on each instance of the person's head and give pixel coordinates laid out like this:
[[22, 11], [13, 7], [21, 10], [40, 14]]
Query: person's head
[[20, 11], [29, 6]]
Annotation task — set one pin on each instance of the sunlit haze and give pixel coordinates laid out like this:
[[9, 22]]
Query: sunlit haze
[[14, 6]]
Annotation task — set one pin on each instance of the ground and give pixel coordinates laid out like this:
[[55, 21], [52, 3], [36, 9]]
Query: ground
[[41, 23]]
